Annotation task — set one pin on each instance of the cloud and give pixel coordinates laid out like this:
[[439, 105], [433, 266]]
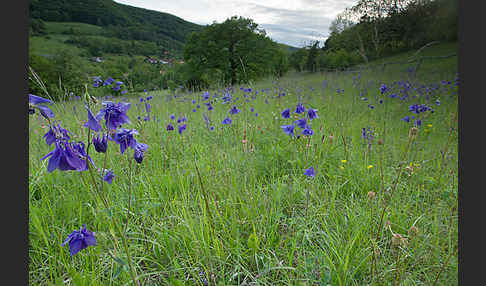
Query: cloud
[[292, 22]]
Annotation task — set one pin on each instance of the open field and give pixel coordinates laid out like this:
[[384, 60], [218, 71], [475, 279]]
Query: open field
[[231, 204]]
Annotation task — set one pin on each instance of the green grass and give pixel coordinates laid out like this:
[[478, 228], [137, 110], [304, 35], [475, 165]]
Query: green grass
[[265, 223], [79, 28], [438, 67], [52, 45]]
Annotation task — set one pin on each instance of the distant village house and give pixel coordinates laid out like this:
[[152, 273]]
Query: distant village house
[[97, 59]]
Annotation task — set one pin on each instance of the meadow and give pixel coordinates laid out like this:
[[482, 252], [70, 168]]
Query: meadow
[[364, 193]]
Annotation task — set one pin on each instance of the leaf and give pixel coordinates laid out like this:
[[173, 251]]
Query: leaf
[[176, 282], [118, 271], [119, 260], [253, 242]]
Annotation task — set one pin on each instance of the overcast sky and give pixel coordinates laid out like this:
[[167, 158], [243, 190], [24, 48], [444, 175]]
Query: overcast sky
[[292, 22]]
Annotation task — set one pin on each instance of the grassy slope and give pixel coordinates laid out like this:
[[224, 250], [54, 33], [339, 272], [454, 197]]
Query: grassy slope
[[81, 28], [262, 193], [56, 36], [433, 65]]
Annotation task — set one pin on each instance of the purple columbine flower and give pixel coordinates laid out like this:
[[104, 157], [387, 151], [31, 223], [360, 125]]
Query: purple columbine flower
[[37, 102], [302, 123], [34, 99], [234, 110], [310, 172], [108, 177], [92, 123], [100, 144], [300, 108], [172, 116], [205, 96], [181, 119], [56, 133], [125, 138], [148, 108], [115, 115], [286, 113], [227, 120], [383, 88], [170, 127], [139, 151], [311, 113], [108, 81], [182, 128], [80, 239], [97, 81], [307, 131], [406, 119], [289, 129], [67, 156], [367, 136]]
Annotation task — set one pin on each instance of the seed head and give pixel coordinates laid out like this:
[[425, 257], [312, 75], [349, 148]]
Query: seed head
[[396, 240], [413, 132], [399, 240], [413, 231]]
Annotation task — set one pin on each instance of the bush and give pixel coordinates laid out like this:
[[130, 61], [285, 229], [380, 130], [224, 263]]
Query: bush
[[339, 59]]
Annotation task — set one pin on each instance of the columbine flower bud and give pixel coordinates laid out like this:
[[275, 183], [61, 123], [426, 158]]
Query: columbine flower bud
[[100, 144]]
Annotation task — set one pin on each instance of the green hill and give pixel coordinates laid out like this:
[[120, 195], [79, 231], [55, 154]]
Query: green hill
[[104, 26], [112, 20]]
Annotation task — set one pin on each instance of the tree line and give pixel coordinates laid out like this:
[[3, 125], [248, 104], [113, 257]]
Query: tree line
[[374, 29]]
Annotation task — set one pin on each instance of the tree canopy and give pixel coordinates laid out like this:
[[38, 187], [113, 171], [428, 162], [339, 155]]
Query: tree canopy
[[235, 50]]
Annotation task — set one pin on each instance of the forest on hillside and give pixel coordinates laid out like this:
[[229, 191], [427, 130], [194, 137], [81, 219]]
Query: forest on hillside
[[372, 29]]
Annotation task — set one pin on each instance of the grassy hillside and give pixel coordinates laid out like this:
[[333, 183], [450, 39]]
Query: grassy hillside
[[113, 20], [233, 204], [432, 62], [434, 50]]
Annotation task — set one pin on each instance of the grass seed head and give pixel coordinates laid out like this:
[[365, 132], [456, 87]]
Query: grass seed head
[[413, 231], [413, 132]]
